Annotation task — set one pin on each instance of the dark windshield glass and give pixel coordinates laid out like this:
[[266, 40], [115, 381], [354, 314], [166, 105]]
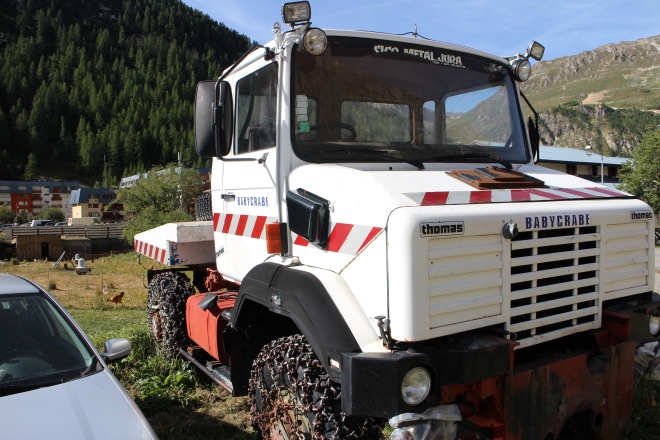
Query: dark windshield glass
[[38, 346], [368, 101]]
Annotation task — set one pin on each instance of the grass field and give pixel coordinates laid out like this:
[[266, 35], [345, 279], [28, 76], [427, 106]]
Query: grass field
[[180, 402]]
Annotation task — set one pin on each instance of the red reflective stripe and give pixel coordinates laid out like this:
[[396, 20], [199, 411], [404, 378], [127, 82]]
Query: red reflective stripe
[[374, 231], [480, 196], [546, 194], [216, 219], [338, 236], [242, 220], [258, 226], [149, 249], [162, 256], [607, 191], [521, 195], [300, 241], [435, 198], [227, 225], [576, 192]]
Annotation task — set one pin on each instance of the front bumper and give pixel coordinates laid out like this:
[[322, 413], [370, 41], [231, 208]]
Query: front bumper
[[371, 382]]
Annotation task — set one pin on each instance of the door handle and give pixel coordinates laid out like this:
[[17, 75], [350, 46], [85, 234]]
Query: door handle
[[228, 197]]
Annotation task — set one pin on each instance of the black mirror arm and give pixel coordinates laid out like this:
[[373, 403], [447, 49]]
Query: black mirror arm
[[535, 148]]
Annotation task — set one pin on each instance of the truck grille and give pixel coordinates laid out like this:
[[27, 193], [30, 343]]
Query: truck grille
[[554, 283], [542, 285]]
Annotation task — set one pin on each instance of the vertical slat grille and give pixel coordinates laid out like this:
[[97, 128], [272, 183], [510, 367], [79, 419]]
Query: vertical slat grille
[[627, 257], [554, 283], [465, 279]]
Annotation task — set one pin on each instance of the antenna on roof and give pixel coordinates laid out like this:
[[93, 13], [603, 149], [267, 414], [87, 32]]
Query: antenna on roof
[[415, 18]]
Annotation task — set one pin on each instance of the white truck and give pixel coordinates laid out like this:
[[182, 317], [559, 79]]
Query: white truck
[[384, 246]]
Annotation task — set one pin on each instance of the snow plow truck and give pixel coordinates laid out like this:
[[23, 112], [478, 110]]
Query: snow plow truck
[[381, 245]]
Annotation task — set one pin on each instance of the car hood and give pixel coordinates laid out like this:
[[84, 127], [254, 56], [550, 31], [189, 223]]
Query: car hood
[[92, 408]]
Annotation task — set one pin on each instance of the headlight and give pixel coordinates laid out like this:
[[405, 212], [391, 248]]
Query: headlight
[[315, 41], [415, 386], [654, 325], [521, 69]]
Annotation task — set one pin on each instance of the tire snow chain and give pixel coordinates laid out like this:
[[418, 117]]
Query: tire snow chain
[[166, 309], [291, 362]]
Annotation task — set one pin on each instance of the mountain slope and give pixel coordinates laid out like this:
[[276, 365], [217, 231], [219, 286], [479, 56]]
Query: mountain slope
[[608, 97], [623, 75]]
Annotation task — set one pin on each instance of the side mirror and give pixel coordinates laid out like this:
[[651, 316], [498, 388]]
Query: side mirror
[[213, 118], [534, 138], [116, 349], [309, 216]]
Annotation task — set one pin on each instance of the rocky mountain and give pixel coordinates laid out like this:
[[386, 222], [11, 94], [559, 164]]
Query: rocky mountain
[[608, 97]]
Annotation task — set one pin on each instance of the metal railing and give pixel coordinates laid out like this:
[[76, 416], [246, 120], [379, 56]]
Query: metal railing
[[93, 231]]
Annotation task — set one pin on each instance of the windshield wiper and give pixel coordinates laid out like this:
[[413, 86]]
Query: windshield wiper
[[490, 158], [376, 152], [16, 388]]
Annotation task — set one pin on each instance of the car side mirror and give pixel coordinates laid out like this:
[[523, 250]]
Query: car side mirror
[[116, 349], [213, 118]]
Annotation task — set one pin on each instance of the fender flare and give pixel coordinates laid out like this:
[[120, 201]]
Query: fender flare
[[302, 294]]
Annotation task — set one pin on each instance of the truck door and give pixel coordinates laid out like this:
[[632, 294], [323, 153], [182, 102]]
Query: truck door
[[249, 199]]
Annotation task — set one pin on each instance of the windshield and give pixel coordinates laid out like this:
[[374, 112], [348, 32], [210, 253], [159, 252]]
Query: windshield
[[38, 346], [368, 100]]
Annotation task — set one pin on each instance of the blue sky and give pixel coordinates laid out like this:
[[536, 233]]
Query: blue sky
[[564, 27]]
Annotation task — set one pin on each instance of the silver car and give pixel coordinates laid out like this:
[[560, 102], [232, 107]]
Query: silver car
[[53, 382]]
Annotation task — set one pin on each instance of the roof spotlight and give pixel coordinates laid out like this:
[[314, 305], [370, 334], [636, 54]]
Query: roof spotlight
[[297, 12]]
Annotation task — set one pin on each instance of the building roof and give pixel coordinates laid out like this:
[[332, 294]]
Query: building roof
[[25, 187], [83, 195], [576, 155]]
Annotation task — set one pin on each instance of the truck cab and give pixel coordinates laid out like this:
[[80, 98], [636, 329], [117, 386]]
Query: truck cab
[[387, 246]]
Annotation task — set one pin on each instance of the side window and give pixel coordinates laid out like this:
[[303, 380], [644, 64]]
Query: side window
[[256, 110]]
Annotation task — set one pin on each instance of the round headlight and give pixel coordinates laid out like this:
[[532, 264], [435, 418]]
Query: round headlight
[[654, 325], [315, 41], [415, 386], [521, 69]]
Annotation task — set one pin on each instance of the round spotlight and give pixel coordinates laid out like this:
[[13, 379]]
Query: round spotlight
[[521, 69], [315, 42], [654, 325], [415, 386]]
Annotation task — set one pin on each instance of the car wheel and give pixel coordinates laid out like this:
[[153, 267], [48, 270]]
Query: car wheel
[[293, 397], [166, 310]]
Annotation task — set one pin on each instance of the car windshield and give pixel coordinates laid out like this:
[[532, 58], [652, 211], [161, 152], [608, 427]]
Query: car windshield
[[39, 346], [368, 100]]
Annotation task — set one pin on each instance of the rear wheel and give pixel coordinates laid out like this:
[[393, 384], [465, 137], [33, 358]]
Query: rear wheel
[[166, 310], [293, 397]]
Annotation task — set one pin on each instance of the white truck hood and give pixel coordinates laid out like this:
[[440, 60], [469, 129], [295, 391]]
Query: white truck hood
[[361, 201]]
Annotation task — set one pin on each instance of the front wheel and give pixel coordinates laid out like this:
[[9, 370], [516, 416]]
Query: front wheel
[[293, 397]]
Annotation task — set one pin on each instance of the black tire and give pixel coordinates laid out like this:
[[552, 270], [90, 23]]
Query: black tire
[[291, 391], [166, 310], [203, 209]]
